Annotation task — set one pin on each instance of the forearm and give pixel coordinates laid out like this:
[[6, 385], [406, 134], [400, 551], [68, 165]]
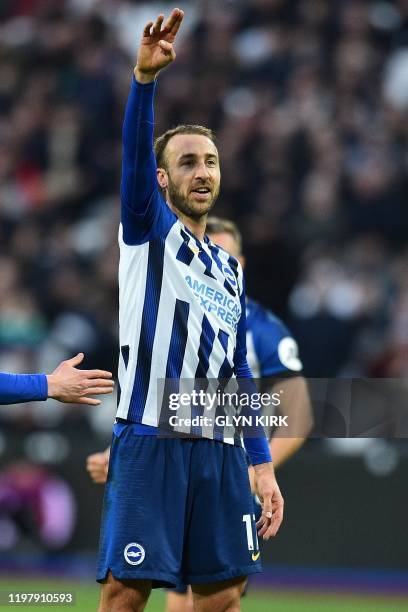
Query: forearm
[[296, 406], [283, 448], [15, 388], [139, 166]]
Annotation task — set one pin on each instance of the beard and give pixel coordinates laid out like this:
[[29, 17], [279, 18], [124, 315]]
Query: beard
[[194, 210]]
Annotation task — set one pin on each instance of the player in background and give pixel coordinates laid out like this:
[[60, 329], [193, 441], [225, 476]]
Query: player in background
[[177, 509], [272, 355], [66, 384]]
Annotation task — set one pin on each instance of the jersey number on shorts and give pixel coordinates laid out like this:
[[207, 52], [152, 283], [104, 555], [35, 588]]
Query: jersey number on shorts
[[249, 524]]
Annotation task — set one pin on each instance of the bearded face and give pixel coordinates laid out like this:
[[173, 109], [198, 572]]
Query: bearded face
[[192, 175], [197, 201]]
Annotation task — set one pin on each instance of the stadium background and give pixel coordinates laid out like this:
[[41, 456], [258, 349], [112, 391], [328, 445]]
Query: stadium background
[[309, 99]]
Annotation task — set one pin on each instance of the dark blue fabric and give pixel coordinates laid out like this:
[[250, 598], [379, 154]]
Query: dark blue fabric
[[204, 351], [182, 503], [185, 254], [175, 359], [226, 370], [125, 354], [15, 388], [149, 320], [267, 331], [256, 443], [144, 213]]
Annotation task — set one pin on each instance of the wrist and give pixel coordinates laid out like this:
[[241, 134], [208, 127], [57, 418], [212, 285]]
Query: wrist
[[263, 467], [144, 77], [52, 386]]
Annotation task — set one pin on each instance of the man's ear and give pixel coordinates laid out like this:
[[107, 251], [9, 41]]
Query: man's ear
[[162, 178]]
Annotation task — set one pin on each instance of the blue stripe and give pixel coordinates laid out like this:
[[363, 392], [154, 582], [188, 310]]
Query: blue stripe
[[207, 261], [185, 235], [226, 369], [185, 254], [125, 354], [177, 349], [206, 344], [202, 255], [234, 265], [214, 252], [232, 262], [223, 338], [224, 377], [178, 339], [228, 287], [124, 350], [148, 328]]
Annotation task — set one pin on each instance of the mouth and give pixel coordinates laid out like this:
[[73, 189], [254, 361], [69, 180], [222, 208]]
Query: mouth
[[201, 193]]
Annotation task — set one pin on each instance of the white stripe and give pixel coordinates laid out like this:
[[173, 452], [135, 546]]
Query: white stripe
[[132, 288], [172, 288], [252, 357]]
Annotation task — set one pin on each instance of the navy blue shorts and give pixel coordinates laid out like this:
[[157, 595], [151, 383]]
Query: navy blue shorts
[[181, 588], [176, 511]]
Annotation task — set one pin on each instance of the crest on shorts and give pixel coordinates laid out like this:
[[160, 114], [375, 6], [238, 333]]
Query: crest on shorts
[[134, 553]]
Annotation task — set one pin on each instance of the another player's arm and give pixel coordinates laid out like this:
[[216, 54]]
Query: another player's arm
[[296, 405], [66, 384], [140, 197], [256, 446]]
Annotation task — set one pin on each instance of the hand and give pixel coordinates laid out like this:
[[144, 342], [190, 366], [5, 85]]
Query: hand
[[271, 499], [156, 47], [70, 385], [97, 466]]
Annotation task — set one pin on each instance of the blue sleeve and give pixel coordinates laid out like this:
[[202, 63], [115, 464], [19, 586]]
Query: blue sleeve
[[256, 444], [16, 388], [144, 212], [276, 349]]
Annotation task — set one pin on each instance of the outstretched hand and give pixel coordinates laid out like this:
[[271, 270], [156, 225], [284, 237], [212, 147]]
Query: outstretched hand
[[156, 47], [70, 385]]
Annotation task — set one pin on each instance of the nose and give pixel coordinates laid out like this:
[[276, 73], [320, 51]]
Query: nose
[[202, 171]]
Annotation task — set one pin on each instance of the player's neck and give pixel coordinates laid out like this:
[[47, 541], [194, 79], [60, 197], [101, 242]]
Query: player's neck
[[196, 226]]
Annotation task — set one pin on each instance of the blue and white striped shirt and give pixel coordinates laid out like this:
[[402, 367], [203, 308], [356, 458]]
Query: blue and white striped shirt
[[182, 301]]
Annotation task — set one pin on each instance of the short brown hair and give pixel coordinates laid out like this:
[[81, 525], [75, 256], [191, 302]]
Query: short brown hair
[[216, 225], [161, 142]]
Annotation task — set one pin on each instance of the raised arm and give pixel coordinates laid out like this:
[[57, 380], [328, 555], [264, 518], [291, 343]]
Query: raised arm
[[142, 205]]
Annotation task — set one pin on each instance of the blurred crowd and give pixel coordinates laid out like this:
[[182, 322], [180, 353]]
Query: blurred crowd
[[309, 100]]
